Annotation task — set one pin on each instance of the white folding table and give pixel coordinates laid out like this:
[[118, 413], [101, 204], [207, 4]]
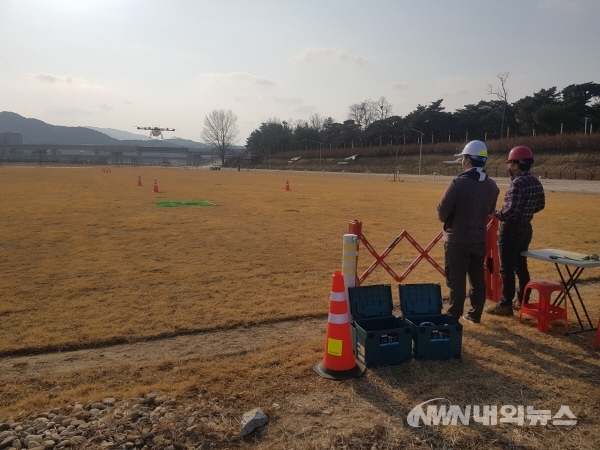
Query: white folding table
[[573, 266]]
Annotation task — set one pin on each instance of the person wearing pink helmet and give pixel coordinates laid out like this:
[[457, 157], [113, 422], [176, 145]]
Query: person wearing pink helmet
[[524, 197], [464, 210]]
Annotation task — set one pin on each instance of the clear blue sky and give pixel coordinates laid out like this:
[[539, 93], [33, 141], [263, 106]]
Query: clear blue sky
[[119, 63]]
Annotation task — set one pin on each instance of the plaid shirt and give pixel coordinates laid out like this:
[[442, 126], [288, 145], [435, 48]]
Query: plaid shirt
[[522, 200]]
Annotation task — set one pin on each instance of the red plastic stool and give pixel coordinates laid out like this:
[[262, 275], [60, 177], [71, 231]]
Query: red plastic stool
[[544, 311], [597, 340]]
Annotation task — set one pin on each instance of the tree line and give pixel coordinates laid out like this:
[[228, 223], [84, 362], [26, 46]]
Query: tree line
[[575, 109]]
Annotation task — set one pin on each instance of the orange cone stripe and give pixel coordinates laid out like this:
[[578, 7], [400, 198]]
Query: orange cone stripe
[[338, 307]]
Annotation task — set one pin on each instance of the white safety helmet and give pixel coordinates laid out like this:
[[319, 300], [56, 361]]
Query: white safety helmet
[[476, 150]]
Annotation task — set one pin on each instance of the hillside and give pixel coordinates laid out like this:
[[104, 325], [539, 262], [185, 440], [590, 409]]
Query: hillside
[[122, 135], [35, 131]]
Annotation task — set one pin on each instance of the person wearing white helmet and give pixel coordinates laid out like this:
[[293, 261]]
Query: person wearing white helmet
[[464, 210], [524, 197]]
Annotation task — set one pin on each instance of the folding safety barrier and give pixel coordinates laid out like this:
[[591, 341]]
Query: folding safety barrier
[[491, 266]]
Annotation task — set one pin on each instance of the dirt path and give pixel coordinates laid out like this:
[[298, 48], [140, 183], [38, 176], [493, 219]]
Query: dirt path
[[180, 348]]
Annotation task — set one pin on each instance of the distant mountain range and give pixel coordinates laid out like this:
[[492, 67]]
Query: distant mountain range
[[37, 132], [121, 135]]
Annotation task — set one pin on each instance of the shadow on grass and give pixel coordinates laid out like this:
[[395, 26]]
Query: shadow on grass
[[491, 373]]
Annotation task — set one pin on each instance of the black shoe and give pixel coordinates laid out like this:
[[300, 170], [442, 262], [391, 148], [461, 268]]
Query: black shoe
[[516, 305], [452, 317], [471, 319], [500, 310]]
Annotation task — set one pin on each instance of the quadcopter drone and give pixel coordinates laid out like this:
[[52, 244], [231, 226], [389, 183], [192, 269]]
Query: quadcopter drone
[[156, 131]]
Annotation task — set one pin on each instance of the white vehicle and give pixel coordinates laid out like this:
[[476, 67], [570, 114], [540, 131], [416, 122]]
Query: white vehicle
[[215, 167]]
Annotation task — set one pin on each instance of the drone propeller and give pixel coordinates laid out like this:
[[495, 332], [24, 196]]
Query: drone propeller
[[154, 129]]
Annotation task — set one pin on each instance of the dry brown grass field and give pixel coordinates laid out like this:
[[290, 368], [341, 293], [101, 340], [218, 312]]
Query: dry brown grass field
[[90, 265]]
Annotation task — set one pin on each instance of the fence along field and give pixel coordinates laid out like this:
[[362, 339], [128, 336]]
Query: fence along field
[[567, 157], [88, 259]]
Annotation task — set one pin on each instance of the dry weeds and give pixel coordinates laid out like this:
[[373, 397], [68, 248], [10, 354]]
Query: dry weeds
[[87, 259]]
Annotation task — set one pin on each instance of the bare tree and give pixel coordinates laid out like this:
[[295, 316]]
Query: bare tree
[[316, 122], [220, 130], [382, 109], [368, 111], [294, 123], [362, 113], [502, 94]]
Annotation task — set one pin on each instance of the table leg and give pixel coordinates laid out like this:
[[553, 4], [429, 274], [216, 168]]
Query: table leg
[[571, 283]]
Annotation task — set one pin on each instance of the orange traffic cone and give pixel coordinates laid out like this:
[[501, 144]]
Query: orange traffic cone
[[139, 180], [103, 171], [155, 185], [287, 185], [338, 361]]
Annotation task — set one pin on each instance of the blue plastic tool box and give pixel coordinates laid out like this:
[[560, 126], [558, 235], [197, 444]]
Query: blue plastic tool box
[[379, 338], [435, 335]]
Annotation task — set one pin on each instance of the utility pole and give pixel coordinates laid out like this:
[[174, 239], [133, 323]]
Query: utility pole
[[420, 147]]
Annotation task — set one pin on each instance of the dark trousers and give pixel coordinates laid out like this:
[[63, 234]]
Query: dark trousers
[[513, 240], [462, 261]]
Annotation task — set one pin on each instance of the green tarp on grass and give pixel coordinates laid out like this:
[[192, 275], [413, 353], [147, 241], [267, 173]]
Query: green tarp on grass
[[186, 203]]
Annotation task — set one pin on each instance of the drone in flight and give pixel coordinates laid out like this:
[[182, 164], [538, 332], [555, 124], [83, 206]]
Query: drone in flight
[[156, 131]]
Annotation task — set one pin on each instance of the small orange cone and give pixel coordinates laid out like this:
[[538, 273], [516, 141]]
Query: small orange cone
[[108, 170], [103, 171], [338, 361], [155, 185], [287, 185], [139, 180]]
